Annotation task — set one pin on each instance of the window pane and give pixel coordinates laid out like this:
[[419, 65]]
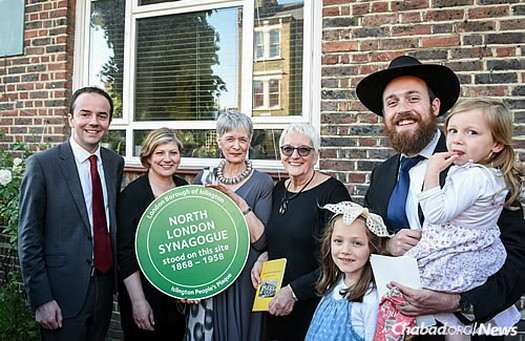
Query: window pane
[[259, 45], [106, 49], [258, 94], [187, 65], [274, 43], [116, 141], [282, 21], [274, 93], [203, 143], [265, 144]]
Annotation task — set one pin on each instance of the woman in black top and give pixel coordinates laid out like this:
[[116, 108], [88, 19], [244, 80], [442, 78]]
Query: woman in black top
[[145, 312], [294, 230]]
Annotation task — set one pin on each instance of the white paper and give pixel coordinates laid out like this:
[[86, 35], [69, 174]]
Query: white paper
[[403, 270]]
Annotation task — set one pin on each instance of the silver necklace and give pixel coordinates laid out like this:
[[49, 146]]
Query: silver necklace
[[236, 179], [286, 199]]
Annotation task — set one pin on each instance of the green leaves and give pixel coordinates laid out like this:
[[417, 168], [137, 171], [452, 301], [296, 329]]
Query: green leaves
[[16, 320]]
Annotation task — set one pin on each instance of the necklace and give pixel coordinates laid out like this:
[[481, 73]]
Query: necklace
[[285, 200], [238, 178]]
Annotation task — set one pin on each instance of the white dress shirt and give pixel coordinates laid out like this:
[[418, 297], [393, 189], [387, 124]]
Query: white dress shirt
[[417, 177], [83, 166]]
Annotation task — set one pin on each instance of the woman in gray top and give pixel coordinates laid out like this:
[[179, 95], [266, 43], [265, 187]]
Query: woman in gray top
[[228, 315]]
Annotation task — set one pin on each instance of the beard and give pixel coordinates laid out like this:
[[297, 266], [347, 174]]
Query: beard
[[410, 142]]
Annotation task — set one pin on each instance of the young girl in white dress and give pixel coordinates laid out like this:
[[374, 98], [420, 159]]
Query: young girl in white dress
[[348, 309], [460, 245]]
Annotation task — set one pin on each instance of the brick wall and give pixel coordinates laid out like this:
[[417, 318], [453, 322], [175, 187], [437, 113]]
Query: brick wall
[[34, 87], [482, 40]]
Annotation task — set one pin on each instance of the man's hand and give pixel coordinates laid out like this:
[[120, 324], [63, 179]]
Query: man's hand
[[49, 315], [282, 303], [426, 302], [403, 241]]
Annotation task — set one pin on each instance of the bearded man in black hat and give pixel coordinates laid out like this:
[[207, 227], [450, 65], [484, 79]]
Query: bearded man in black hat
[[410, 96]]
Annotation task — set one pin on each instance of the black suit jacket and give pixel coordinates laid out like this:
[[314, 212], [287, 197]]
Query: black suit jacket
[[54, 234], [502, 289]]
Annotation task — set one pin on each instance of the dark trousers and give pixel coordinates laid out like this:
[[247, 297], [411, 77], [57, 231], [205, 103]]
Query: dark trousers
[[92, 322]]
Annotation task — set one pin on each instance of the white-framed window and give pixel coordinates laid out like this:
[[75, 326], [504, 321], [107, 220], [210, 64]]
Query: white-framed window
[[180, 63], [267, 42], [266, 94], [275, 43]]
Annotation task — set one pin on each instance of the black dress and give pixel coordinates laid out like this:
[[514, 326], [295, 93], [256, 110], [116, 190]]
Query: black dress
[[296, 237], [170, 323]]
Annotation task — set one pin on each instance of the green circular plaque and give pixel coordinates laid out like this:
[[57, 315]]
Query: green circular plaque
[[192, 242]]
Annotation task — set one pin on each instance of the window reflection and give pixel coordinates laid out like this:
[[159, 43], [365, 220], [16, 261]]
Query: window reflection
[[278, 58], [203, 143], [106, 49], [116, 141], [275, 43], [187, 65]]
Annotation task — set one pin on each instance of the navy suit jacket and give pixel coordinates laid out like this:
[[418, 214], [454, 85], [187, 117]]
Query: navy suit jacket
[[503, 288], [54, 237]]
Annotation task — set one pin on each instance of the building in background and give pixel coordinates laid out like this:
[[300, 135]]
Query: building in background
[[178, 64]]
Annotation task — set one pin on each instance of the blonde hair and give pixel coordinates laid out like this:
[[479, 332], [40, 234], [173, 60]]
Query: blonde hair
[[499, 120], [331, 274], [154, 139]]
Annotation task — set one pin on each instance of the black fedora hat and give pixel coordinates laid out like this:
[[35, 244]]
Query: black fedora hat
[[442, 80]]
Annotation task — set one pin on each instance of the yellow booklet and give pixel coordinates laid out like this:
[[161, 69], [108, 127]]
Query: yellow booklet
[[271, 279]]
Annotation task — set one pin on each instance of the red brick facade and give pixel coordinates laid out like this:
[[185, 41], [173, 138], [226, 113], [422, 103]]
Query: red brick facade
[[34, 87], [483, 41]]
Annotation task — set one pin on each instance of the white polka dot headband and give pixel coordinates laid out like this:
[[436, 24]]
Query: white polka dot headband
[[350, 211]]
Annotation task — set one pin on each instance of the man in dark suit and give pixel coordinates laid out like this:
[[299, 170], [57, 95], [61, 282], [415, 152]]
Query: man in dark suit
[[410, 96], [67, 263]]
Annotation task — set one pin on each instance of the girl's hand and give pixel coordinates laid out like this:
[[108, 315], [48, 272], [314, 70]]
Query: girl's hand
[[143, 315], [440, 161], [283, 302], [437, 163]]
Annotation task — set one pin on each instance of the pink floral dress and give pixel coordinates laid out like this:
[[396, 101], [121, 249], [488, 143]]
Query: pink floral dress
[[460, 245]]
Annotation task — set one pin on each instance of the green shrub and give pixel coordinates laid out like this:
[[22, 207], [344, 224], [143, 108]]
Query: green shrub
[[16, 320]]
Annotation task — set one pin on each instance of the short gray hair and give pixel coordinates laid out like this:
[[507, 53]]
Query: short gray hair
[[305, 129], [229, 120]]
